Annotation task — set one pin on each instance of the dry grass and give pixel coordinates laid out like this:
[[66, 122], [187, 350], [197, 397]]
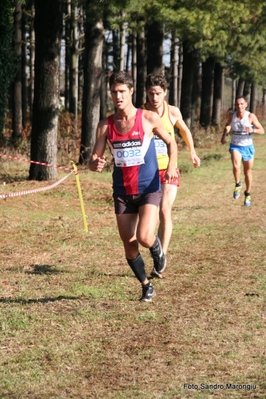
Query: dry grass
[[71, 325]]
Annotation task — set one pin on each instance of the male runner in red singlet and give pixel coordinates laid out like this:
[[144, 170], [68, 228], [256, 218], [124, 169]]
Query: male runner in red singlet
[[129, 133], [156, 89]]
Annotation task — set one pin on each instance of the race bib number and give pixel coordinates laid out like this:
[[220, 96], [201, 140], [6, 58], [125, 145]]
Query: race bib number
[[160, 146], [128, 153]]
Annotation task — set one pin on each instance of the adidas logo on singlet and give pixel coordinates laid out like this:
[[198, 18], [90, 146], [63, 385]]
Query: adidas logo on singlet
[[129, 143]]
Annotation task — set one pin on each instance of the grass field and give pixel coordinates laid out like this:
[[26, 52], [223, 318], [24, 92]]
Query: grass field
[[71, 325]]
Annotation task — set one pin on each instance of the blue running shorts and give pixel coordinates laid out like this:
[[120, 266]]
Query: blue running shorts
[[247, 151]]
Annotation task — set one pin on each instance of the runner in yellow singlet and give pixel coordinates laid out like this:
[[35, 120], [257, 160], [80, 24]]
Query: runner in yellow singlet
[[156, 90]]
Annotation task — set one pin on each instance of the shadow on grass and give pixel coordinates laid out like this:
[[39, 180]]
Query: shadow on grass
[[40, 300], [42, 269]]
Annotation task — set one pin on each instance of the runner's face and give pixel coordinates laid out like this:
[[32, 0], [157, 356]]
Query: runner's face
[[241, 104], [121, 96], [156, 96]]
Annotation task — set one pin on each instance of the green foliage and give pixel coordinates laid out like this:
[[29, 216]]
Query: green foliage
[[231, 31], [248, 54]]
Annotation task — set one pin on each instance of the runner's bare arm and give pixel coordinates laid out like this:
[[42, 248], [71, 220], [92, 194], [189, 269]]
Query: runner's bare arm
[[178, 121], [258, 128], [227, 129], [97, 160]]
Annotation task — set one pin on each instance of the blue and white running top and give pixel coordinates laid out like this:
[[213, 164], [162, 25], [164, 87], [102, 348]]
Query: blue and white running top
[[240, 136]]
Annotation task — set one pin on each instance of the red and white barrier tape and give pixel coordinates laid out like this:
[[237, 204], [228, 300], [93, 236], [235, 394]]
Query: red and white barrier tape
[[49, 165], [35, 190]]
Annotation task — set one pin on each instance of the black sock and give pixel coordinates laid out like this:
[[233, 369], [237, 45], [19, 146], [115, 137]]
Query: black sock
[[155, 249], [137, 266]]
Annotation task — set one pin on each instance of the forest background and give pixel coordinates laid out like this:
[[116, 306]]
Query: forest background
[[56, 57]]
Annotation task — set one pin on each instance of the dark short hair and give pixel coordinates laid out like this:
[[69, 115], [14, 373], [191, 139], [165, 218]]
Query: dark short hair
[[238, 97], [121, 77], [156, 79]]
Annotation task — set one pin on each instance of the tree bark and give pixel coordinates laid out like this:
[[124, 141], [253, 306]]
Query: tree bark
[[196, 92], [32, 58], [187, 83], [48, 31], [154, 38], [67, 30], [134, 64], [24, 78], [173, 91], [217, 94], [263, 104], [73, 73], [116, 50], [94, 37], [253, 93], [247, 91], [206, 92], [17, 83], [240, 87], [122, 46], [141, 71]]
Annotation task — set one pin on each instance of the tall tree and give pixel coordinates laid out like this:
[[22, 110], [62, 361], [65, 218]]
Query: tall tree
[[94, 37], [24, 68], [48, 31], [206, 92], [17, 83], [173, 91], [7, 66], [189, 65], [141, 70], [154, 37], [67, 37], [217, 93], [32, 56], [73, 72]]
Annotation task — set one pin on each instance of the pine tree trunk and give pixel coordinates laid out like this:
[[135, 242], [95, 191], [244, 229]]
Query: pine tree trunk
[[217, 94], [134, 64], [233, 94], [48, 30], [32, 58], [206, 92], [196, 92], [17, 84], [67, 31], [122, 46], [154, 37], [253, 93], [24, 72], [187, 83], [247, 91], [173, 92], [94, 37], [263, 104], [73, 101], [116, 50], [141, 69], [179, 74], [240, 87]]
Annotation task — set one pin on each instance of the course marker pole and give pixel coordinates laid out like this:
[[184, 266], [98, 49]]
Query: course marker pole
[[80, 196]]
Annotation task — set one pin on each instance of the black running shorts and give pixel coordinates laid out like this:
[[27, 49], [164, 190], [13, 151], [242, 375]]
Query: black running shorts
[[125, 204]]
